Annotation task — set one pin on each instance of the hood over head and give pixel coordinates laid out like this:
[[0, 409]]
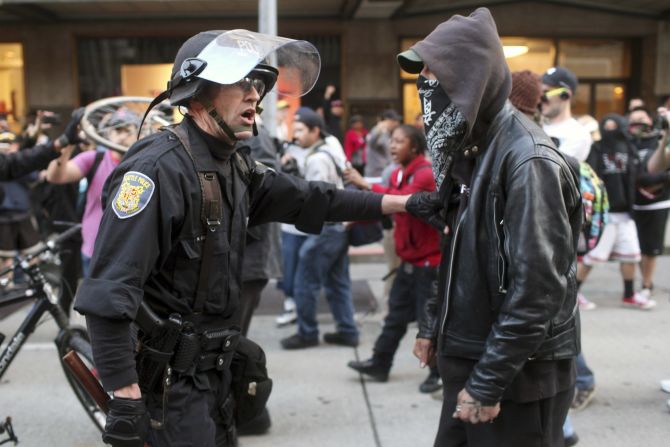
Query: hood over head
[[466, 56], [616, 140]]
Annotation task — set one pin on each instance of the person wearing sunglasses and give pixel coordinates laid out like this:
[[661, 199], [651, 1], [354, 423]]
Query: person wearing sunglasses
[[558, 88], [172, 242]]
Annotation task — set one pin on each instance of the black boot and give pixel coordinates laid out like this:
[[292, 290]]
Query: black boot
[[432, 383], [371, 368]]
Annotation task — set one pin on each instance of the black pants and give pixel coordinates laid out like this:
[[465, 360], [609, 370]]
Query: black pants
[[529, 424], [411, 287], [196, 415]]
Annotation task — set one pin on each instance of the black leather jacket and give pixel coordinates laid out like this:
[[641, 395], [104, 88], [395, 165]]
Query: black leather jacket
[[507, 287]]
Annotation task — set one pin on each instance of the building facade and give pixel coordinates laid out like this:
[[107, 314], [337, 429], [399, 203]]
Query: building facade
[[57, 54]]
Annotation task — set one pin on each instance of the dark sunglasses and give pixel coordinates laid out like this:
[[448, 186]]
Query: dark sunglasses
[[249, 82]]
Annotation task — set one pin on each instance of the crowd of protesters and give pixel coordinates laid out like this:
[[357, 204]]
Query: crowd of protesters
[[626, 151]]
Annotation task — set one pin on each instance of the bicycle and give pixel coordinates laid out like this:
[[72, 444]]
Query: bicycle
[[48, 300]]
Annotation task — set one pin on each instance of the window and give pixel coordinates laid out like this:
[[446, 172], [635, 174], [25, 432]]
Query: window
[[523, 53], [12, 96], [590, 58], [603, 67]]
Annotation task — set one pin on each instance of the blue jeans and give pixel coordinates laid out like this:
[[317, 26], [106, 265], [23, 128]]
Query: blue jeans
[[585, 378], [324, 262], [290, 250]]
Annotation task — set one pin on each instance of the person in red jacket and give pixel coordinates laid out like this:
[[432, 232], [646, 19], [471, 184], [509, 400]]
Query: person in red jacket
[[354, 142], [417, 245]]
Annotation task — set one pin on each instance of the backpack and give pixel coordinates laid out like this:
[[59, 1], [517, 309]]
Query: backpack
[[81, 203], [595, 204], [361, 232]]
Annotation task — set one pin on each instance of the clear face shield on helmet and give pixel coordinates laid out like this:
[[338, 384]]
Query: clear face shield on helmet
[[234, 54], [248, 59]]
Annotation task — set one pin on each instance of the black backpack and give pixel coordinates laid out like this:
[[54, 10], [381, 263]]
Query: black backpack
[[81, 203]]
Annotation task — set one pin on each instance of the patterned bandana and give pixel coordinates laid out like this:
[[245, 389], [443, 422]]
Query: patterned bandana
[[444, 124]]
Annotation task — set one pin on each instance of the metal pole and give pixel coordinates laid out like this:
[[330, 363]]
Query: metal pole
[[267, 24]]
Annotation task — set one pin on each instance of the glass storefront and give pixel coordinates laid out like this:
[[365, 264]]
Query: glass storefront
[[602, 65], [12, 90]]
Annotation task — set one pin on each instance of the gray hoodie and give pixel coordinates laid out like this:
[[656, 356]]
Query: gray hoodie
[[466, 56]]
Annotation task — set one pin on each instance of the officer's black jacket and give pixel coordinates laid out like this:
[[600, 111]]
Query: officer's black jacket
[[155, 255]]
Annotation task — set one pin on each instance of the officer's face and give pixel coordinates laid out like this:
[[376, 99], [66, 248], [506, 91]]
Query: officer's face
[[237, 106], [304, 136]]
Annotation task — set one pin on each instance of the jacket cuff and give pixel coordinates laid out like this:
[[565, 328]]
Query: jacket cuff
[[108, 299], [486, 401]]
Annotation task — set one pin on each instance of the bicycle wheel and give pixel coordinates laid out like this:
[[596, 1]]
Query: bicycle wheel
[[76, 339], [103, 117]]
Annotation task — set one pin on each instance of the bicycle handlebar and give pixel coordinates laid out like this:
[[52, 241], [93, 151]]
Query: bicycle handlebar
[[50, 245]]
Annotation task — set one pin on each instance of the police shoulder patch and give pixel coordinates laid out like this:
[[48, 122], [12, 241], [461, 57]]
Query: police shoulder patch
[[133, 195]]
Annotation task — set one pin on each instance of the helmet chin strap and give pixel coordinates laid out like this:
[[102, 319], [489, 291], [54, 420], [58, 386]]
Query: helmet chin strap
[[211, 111]]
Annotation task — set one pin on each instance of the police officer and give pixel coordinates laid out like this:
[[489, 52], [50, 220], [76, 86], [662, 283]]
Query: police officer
[[164, 241]]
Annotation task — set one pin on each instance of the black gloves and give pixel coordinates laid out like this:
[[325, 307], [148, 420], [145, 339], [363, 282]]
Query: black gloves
[[428, 207], [127, 423], [71, 132]]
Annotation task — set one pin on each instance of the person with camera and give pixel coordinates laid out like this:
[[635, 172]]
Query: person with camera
[[95, 166], [171, 244], [15, 164], [18, 169], [652, 196], [660, 159]]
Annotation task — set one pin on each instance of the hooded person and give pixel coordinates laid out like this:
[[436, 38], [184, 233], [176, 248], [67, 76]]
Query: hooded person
[[501, 323], [615, 160], [181, 201]]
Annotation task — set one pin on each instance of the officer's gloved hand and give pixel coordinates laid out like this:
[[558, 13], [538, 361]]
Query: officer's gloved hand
[[127, 423], [428, 207], [71, 132]]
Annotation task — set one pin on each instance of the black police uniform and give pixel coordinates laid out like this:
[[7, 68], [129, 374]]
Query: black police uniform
[[150, 247]]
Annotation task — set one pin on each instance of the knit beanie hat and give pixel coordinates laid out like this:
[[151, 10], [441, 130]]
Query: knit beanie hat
[[526, 91]]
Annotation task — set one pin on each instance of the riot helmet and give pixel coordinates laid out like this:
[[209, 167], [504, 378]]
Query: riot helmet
[[240, 57]]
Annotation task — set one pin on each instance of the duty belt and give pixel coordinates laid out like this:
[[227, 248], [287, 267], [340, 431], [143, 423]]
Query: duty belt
[[199, 352]]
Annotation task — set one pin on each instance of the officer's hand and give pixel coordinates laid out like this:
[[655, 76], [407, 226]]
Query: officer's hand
[[424, 350], [71, 132], [127, 423], [428, 207]]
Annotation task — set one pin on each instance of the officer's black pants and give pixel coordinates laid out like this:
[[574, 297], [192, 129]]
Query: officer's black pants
[[411, 287], [195, 417], [531, 424]]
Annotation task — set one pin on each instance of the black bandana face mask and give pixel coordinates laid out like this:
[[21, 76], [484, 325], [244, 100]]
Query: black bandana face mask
[[444, 124]]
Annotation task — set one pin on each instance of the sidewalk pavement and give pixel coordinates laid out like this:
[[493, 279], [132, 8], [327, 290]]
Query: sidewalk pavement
[[318, 401]]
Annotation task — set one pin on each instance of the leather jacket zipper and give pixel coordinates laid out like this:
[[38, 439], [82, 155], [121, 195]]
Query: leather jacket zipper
[[502, 266], [454, 243]]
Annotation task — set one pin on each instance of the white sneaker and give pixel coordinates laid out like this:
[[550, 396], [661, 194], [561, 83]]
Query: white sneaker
[[646, 293], [639, 301], [289, 315], [585, 304], [665, 385]]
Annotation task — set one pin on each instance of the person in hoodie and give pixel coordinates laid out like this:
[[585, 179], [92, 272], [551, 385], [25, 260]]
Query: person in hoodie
[[501, 325], [615, 160]]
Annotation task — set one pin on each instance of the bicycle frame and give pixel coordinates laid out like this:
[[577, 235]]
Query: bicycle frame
[[47, 301]]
